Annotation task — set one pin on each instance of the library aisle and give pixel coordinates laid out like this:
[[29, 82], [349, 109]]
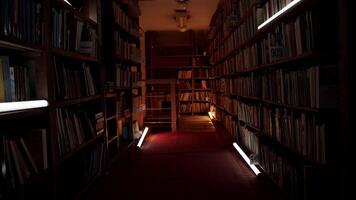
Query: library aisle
[[183, 165]]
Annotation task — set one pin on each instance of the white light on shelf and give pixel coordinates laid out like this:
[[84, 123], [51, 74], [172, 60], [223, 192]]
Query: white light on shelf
[[247, 160], [142, 137], [287, 7], [22, 105], [67, 2]]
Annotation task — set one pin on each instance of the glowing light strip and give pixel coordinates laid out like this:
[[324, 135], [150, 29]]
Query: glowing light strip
[[247, 160], [22, 105], [211, 115], [142, 137], [67, 2], [287, 7]]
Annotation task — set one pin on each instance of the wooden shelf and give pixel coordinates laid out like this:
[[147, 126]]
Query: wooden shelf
[[74, 55], [111, 118], [14, 44], [112, 139], [129, 36], [250, 126], [300, 108], [21, 114], [81, 148], [70, 102], [126, 61]]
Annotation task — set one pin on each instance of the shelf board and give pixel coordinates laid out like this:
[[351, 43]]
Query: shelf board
[[126, 61], [130, 37], [74, 55], [281, 63], [202, 89], [250, 126], [10, 43], [112, 139], [300, 108], [111, 118], [80, 148], [4, 116], [70, 102]]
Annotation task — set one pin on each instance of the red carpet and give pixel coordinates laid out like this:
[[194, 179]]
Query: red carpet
[[183, 166]]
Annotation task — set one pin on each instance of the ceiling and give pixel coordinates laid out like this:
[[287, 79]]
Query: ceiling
[[158, 15]]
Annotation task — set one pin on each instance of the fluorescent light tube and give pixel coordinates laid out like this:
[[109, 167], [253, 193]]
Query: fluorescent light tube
[[68, 2], [247, 160], [142, 137], [287, 7], [22, 105]]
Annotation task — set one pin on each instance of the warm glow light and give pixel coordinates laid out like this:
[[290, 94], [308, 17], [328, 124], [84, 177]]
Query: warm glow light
[[22, 105], [142, 137], [287, 7], [211, 115], [247, 160]]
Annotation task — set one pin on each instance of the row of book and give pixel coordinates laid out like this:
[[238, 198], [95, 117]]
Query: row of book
[[249, 85], [229, 16], [74, 128], [185, 74], [202, 84], [305, 87], [123, 105], [194, 107], [125, 50], [201, 96], [186, 96], [249, 114], [71, 34], [245, 31], [124, 21], [300, 132], [250, 140], [247, 58], [288, 176], [74, 79], [293, 38], [124, 132], [17, 81], [228, 104], [123, 76], [22, 20], [227, 121], [184, 85], [271, 7], [94, 162], [136, 77], [23, 156]]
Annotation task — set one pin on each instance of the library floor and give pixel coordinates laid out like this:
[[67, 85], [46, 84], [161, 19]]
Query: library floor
[[183, 166]]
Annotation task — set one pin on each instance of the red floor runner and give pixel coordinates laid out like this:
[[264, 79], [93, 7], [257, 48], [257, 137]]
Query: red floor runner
[[184, 166]]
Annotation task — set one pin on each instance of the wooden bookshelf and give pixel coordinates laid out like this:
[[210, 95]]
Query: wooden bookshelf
[[121, 54], [247, 97]]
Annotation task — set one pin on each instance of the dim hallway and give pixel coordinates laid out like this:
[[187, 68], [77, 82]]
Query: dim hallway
[[183, 165]]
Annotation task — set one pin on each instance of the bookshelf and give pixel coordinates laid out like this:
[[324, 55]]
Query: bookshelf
[[275, 89], [52, 48], [123, 75], [193, 87]]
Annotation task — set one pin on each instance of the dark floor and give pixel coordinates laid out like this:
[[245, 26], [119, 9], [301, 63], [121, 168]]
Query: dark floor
[[183, 166]]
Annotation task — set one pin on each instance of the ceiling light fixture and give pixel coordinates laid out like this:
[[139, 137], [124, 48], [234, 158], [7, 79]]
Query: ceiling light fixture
[[181, 15]]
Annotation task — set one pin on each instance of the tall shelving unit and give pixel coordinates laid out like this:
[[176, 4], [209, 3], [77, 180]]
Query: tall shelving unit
[[123, 76], [275, 89], [52, 34]]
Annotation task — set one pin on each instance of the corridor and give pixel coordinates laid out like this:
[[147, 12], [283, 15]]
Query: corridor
[[183, 166]]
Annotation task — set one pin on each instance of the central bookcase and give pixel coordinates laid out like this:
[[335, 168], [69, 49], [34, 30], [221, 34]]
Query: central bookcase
[[275, 89]]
